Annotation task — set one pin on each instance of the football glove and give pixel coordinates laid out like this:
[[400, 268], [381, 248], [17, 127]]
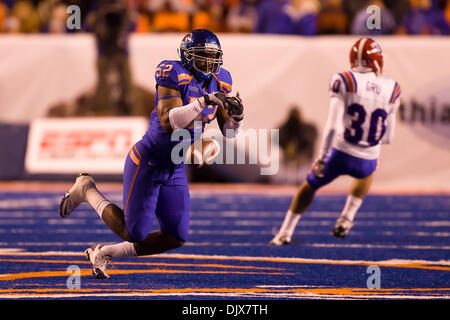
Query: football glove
[[215, 99], [234, 107]]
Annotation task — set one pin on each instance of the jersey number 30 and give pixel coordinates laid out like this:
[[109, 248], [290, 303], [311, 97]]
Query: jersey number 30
[[377, 128]]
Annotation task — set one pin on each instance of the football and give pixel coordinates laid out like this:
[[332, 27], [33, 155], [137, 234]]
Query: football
[[203, 151]]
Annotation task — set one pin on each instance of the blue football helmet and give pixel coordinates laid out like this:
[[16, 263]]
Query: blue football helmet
[[201, 53]]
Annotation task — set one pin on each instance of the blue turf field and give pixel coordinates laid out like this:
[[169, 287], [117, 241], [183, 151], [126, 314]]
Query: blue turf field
[[227, 256]]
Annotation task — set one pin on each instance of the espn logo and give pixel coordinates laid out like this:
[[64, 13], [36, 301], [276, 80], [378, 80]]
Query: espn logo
[[90, 143], [97, 145]]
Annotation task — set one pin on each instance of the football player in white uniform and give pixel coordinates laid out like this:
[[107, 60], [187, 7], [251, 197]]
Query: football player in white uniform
[[361, 117]]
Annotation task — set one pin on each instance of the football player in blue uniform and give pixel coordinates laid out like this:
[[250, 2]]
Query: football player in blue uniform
[[192, 90]]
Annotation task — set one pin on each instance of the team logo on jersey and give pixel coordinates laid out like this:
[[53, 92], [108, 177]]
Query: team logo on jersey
[[194, 89], [188, 37]]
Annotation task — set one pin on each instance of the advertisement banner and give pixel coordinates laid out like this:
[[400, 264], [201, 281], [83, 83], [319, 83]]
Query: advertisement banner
[[76, 145]]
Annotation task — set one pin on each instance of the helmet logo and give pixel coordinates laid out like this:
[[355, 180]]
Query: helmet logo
[[188, 37], [376, 48]]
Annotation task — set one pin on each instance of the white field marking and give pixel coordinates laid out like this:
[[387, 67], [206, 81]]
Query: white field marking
[[310, 214], [221, 244], [246, 222], [220, 232], [18, 221], [57, 231], [240, 214], [66, 221], [10, 250], [308, 232], [394, 262], [46, 244], [321, 245], [30, 202], [375, 246], [42, 254], [241, 244], [217, 215], [202, 223], [288, 295], [300, 260], [242, 232], [429, 234], [317, 222], [27, 214], [437, 223], [289, 286], [45, 214], [225, 197]]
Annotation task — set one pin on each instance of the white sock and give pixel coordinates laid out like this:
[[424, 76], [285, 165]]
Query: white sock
[[289, 223], [351, 207], [118, 250], [96, 200]]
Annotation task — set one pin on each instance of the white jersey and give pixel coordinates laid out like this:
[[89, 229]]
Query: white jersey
[[369, 100]]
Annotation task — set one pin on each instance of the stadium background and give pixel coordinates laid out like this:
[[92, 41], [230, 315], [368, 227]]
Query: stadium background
[[75, 100], [282, 61]]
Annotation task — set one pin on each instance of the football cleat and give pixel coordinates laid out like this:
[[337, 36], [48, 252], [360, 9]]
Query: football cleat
[[99, 261], [280, 240], [76, 194], [342, 227]]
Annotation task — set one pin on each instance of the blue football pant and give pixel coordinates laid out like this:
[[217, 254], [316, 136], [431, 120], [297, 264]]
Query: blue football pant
[[151, 190], [340, 163]]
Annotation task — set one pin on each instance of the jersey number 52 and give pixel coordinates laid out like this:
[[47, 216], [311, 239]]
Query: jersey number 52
[[163, 70], [377, 125]]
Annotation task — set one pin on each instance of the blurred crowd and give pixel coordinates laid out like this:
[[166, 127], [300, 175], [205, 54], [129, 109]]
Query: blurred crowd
[[301, 17]]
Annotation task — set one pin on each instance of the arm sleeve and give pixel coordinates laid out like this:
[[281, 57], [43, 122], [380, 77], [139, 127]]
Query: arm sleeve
[[390, 121], [181, 117], [390, 129], [390, 124], [167, 75], [335, 114]]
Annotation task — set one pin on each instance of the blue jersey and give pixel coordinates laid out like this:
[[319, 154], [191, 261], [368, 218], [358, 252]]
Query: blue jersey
[[172, 74]]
